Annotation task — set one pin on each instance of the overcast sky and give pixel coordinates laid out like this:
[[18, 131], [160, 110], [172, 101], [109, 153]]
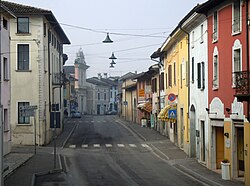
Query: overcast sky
[[137, 27]]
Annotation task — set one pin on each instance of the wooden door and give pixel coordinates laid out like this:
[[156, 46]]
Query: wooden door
[[219, 146]]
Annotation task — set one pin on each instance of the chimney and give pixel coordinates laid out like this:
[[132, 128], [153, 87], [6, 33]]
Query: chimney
[[105, 75], [99, 76]]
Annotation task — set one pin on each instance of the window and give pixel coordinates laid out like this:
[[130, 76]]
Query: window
[[162, 81], [166, 80], [98, 96], [111, 94], [6, 120], [174, 73], [44, 29], [170, 75], [23, 57], [23, 25], [104, 96], [201, 75], [215, 26], [6, 69], [5, 23], [22, 119], [202, 30], [237, 59], [236, 17], [215, 69], [192, 75], [192, 43]]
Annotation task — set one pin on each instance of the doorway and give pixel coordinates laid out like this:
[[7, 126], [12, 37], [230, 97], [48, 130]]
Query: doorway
[[182, 128], [240, 151], [98, 109], [219, 146], [202, 140]]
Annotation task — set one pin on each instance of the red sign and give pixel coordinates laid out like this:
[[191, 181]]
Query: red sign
[[171, 97]]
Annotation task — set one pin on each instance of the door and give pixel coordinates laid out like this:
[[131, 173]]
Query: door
[[192, 132], [219, 146], [182, 128], [98, 109], [240, 151], [203, 157]]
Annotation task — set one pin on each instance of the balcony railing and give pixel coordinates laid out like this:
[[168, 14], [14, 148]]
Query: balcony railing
[[242, 85], [58, 78]]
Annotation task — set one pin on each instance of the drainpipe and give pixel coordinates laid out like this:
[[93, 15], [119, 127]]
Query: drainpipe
[[247, 59]]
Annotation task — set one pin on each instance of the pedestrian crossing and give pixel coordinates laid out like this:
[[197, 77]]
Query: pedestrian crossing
[[119, 145]]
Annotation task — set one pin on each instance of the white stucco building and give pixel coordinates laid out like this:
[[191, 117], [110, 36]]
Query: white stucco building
[[36, 67]]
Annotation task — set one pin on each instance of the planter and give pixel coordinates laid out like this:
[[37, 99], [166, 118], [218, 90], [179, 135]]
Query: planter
[[225, 171]]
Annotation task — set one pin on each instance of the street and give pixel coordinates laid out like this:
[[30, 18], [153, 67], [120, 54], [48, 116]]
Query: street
[[102, 150]]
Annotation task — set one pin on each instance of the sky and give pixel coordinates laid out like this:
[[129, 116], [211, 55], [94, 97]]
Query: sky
[[137, 28]]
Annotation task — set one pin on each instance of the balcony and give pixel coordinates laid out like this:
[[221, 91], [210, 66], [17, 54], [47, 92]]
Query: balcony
[[58, 78], [242, 85]]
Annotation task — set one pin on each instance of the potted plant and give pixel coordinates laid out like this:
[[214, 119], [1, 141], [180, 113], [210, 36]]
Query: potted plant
[[225, 169]]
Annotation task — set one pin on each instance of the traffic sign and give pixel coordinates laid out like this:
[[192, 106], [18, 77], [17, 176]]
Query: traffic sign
[[171, 97], [172, 113]]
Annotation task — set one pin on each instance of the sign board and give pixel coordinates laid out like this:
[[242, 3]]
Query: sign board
[[55, 119], [171, 97], [141, 93], [172, 113], [27, 111]]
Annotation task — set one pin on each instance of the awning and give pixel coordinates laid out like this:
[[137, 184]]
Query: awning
[[147, 106], [164, 115]]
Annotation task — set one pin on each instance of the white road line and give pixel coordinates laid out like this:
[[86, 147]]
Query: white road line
[[120, 145], [85, 146], [132, 145], [72, 146], [96, 145], [108, 145]]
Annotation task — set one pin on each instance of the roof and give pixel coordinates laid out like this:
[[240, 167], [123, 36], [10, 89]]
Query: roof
[[109, 81], [205, 7], [96, 81], [129, 75], [19, 9]]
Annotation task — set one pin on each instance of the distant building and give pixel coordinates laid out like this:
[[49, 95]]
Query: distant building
[[102, 94]]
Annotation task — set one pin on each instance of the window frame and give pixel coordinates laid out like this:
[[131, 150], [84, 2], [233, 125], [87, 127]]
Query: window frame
[[19, 31], [18, 61], [239, 19], [22, 120], [6, 68], [237, 46], [215, 26], [215, 56]]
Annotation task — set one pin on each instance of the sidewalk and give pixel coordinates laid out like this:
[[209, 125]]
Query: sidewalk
[[173, 155], [41, 163]]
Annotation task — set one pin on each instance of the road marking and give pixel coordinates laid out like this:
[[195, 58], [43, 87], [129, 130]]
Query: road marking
[[72, 146], [120, 145], [144, 145], [132, 145], [96, 145], [108, 145], [85, 146]]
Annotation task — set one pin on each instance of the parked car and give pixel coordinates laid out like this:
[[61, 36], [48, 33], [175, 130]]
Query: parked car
[[76, 114], [111, 112]]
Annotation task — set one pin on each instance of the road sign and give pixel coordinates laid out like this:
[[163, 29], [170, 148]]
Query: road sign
[[171, 97], [27, 111], [172, 113]]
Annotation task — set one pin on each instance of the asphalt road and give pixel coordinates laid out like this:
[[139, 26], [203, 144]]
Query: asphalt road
[[102, 151]]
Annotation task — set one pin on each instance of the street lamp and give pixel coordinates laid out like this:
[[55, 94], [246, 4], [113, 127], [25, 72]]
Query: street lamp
[[107, 39]]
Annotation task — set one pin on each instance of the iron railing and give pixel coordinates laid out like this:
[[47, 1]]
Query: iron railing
[[242, 84]]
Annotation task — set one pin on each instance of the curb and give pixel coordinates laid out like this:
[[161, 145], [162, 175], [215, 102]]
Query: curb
[[195, 175], [9, 171], [66, 140]]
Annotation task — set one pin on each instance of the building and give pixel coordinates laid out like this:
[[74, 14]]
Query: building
[[5, 16], [80, 84], [228, 115], [36, 69]]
